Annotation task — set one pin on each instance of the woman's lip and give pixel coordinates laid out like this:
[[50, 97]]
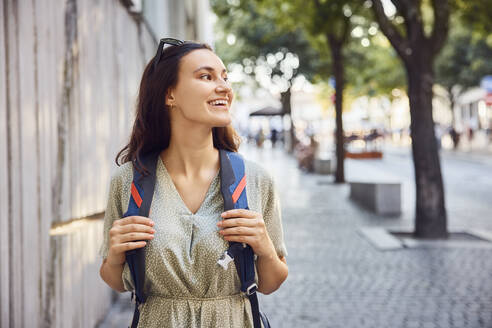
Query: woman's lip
[[220, 105]]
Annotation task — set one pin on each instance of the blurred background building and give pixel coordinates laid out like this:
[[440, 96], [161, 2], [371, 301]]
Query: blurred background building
[[69, 74]]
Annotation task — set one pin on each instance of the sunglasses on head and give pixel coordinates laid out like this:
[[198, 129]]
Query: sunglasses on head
[[160, 48]]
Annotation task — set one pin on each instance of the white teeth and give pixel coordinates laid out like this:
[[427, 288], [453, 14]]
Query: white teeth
[[218, 102]]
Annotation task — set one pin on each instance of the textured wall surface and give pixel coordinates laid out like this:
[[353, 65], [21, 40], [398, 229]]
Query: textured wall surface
[[69, 77], [69, 74]]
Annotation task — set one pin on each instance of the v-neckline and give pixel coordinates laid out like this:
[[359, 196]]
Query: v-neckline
[[175, 190]]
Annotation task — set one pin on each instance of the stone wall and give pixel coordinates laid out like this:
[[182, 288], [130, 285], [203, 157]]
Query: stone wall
[[69, 74]]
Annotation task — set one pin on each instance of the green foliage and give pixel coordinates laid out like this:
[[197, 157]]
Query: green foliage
[[373, 69], [477, 14], [372, 66], [257, 36], [465, 58], [265, 27]]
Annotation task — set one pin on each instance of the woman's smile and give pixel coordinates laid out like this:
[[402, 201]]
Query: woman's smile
[[219, 104]]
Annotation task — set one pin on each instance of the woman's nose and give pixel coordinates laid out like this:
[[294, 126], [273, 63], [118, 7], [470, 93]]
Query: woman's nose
[[224, 86]]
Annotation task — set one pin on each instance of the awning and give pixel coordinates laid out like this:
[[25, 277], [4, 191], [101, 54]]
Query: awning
[[268, 111]]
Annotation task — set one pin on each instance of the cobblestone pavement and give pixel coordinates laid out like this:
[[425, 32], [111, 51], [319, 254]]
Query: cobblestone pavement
[[337, 279]]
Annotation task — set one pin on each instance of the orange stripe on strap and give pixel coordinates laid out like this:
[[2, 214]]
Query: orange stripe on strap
[[239, 189], [136, 195]]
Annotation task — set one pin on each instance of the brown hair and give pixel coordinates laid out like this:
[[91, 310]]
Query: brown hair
[[151, 129]]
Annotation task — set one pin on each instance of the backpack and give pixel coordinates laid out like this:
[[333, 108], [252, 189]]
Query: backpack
[[233, 189]]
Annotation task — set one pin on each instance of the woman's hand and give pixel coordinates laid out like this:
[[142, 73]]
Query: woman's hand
[[127, 234], [246, 226]]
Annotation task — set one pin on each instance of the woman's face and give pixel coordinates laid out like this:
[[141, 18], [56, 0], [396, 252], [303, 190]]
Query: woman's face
[[202, 94]]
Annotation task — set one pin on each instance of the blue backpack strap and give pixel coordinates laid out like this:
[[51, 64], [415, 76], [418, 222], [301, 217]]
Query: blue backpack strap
[[142, 190], [233, 189]]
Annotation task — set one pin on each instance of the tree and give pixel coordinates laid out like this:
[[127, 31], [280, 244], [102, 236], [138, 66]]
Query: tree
[[417, 43], [463, 60], [328, 24], [331, 19], [260, 43]]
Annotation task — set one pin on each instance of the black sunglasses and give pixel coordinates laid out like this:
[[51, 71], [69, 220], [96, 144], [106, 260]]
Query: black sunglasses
[[160, 48]]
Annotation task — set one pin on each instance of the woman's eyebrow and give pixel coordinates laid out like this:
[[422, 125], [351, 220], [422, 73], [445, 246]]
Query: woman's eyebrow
[[208, 68]]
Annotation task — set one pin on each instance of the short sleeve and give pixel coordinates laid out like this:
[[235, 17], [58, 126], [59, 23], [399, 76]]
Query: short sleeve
[[272, 216], [113, 212]]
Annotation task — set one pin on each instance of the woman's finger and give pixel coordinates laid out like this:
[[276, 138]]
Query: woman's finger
[[240, 239], [134, 220], [135, 236], [135, 227], [239, 213], [120, 248], [117, 231], [236, 222], [245, 231]]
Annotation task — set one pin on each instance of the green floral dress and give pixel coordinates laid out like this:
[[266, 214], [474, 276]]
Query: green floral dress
[[185, 285]]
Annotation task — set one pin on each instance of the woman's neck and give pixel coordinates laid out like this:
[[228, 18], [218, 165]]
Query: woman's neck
[[191, 152]]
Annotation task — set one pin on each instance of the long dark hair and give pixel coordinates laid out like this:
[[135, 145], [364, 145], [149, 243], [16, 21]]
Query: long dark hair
[[152, 130]]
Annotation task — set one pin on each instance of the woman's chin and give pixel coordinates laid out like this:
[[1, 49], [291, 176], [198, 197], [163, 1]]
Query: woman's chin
[[222, 125], [222, 121]]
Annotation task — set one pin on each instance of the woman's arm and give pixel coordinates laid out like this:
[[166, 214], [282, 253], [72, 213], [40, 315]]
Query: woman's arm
[[111, 274], [272, 272]]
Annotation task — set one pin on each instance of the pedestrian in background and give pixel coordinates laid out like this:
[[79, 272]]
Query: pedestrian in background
[[273, 137], [183, 110], [455, 137]]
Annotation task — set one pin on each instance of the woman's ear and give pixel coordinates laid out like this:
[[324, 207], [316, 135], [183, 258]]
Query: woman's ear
[[170, 99]]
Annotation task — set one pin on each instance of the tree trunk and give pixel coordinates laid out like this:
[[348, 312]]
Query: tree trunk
[[430, 219], [452, 101], [336, 53], [418, 51], [287, 109]]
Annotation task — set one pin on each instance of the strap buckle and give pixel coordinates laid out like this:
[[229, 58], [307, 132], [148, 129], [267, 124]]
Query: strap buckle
[[251, 289], [225, 259]]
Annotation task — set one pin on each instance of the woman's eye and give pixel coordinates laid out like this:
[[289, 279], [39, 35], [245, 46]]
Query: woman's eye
[[201, 76]]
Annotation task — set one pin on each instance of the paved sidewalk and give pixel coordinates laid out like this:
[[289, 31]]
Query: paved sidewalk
[[338, 279]]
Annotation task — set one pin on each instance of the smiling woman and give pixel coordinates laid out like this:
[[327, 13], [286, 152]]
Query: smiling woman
[[183, 114], [202, 94]]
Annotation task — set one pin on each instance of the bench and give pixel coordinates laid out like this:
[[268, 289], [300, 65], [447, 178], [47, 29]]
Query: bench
[[380, 197]]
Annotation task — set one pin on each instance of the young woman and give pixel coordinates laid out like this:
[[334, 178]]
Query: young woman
[[184, 111]]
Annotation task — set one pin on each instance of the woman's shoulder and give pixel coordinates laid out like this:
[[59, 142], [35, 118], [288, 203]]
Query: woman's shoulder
[[123, 173], [257, 173], [260, 186]]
